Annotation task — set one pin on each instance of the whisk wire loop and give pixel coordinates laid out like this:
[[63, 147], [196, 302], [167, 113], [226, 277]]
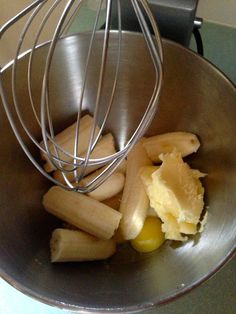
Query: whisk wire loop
[[73, 162]]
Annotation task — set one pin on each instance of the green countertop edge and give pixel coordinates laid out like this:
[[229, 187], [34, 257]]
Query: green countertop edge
[[219, 42]]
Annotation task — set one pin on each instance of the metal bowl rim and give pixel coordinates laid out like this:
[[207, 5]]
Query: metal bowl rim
[[139, 307]]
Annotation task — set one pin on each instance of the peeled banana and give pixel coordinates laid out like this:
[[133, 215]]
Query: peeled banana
[[105, 147], [66, 139], [183, 142], [82, 211], [77, 246], [134, 202], [109, 188]]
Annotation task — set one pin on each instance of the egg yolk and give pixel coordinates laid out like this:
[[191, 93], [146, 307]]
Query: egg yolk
[[151, 236]]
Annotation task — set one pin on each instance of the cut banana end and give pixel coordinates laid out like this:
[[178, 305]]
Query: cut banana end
[[105, 147], [134, 202], [77, 246], [184, 142], [82, 211]]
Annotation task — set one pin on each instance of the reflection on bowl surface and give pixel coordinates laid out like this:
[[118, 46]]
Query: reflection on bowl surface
[[197, 98]]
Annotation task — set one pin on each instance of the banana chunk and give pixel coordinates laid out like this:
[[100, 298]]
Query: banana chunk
[[104, 147], [66, 140], [134, 202], [113, 185], [82, 211], [184, 142], [78, 246]]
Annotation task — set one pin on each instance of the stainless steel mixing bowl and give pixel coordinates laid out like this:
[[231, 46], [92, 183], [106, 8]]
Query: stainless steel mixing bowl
[[196, 97]]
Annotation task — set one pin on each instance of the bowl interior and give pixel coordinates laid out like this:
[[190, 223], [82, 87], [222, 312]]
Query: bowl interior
[[196, 97]]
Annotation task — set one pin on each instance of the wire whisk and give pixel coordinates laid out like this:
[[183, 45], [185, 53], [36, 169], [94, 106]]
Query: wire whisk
[[73, 162]]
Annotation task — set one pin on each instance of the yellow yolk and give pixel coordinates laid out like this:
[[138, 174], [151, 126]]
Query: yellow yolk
[[151, 236]]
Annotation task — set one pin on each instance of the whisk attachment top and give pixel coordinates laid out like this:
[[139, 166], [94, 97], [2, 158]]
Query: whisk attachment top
[[82, 147]]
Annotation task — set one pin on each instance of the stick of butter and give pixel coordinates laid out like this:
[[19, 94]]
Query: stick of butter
[[176, 194]]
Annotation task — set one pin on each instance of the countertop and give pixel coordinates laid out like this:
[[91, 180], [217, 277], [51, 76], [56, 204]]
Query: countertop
[[218, 294]]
